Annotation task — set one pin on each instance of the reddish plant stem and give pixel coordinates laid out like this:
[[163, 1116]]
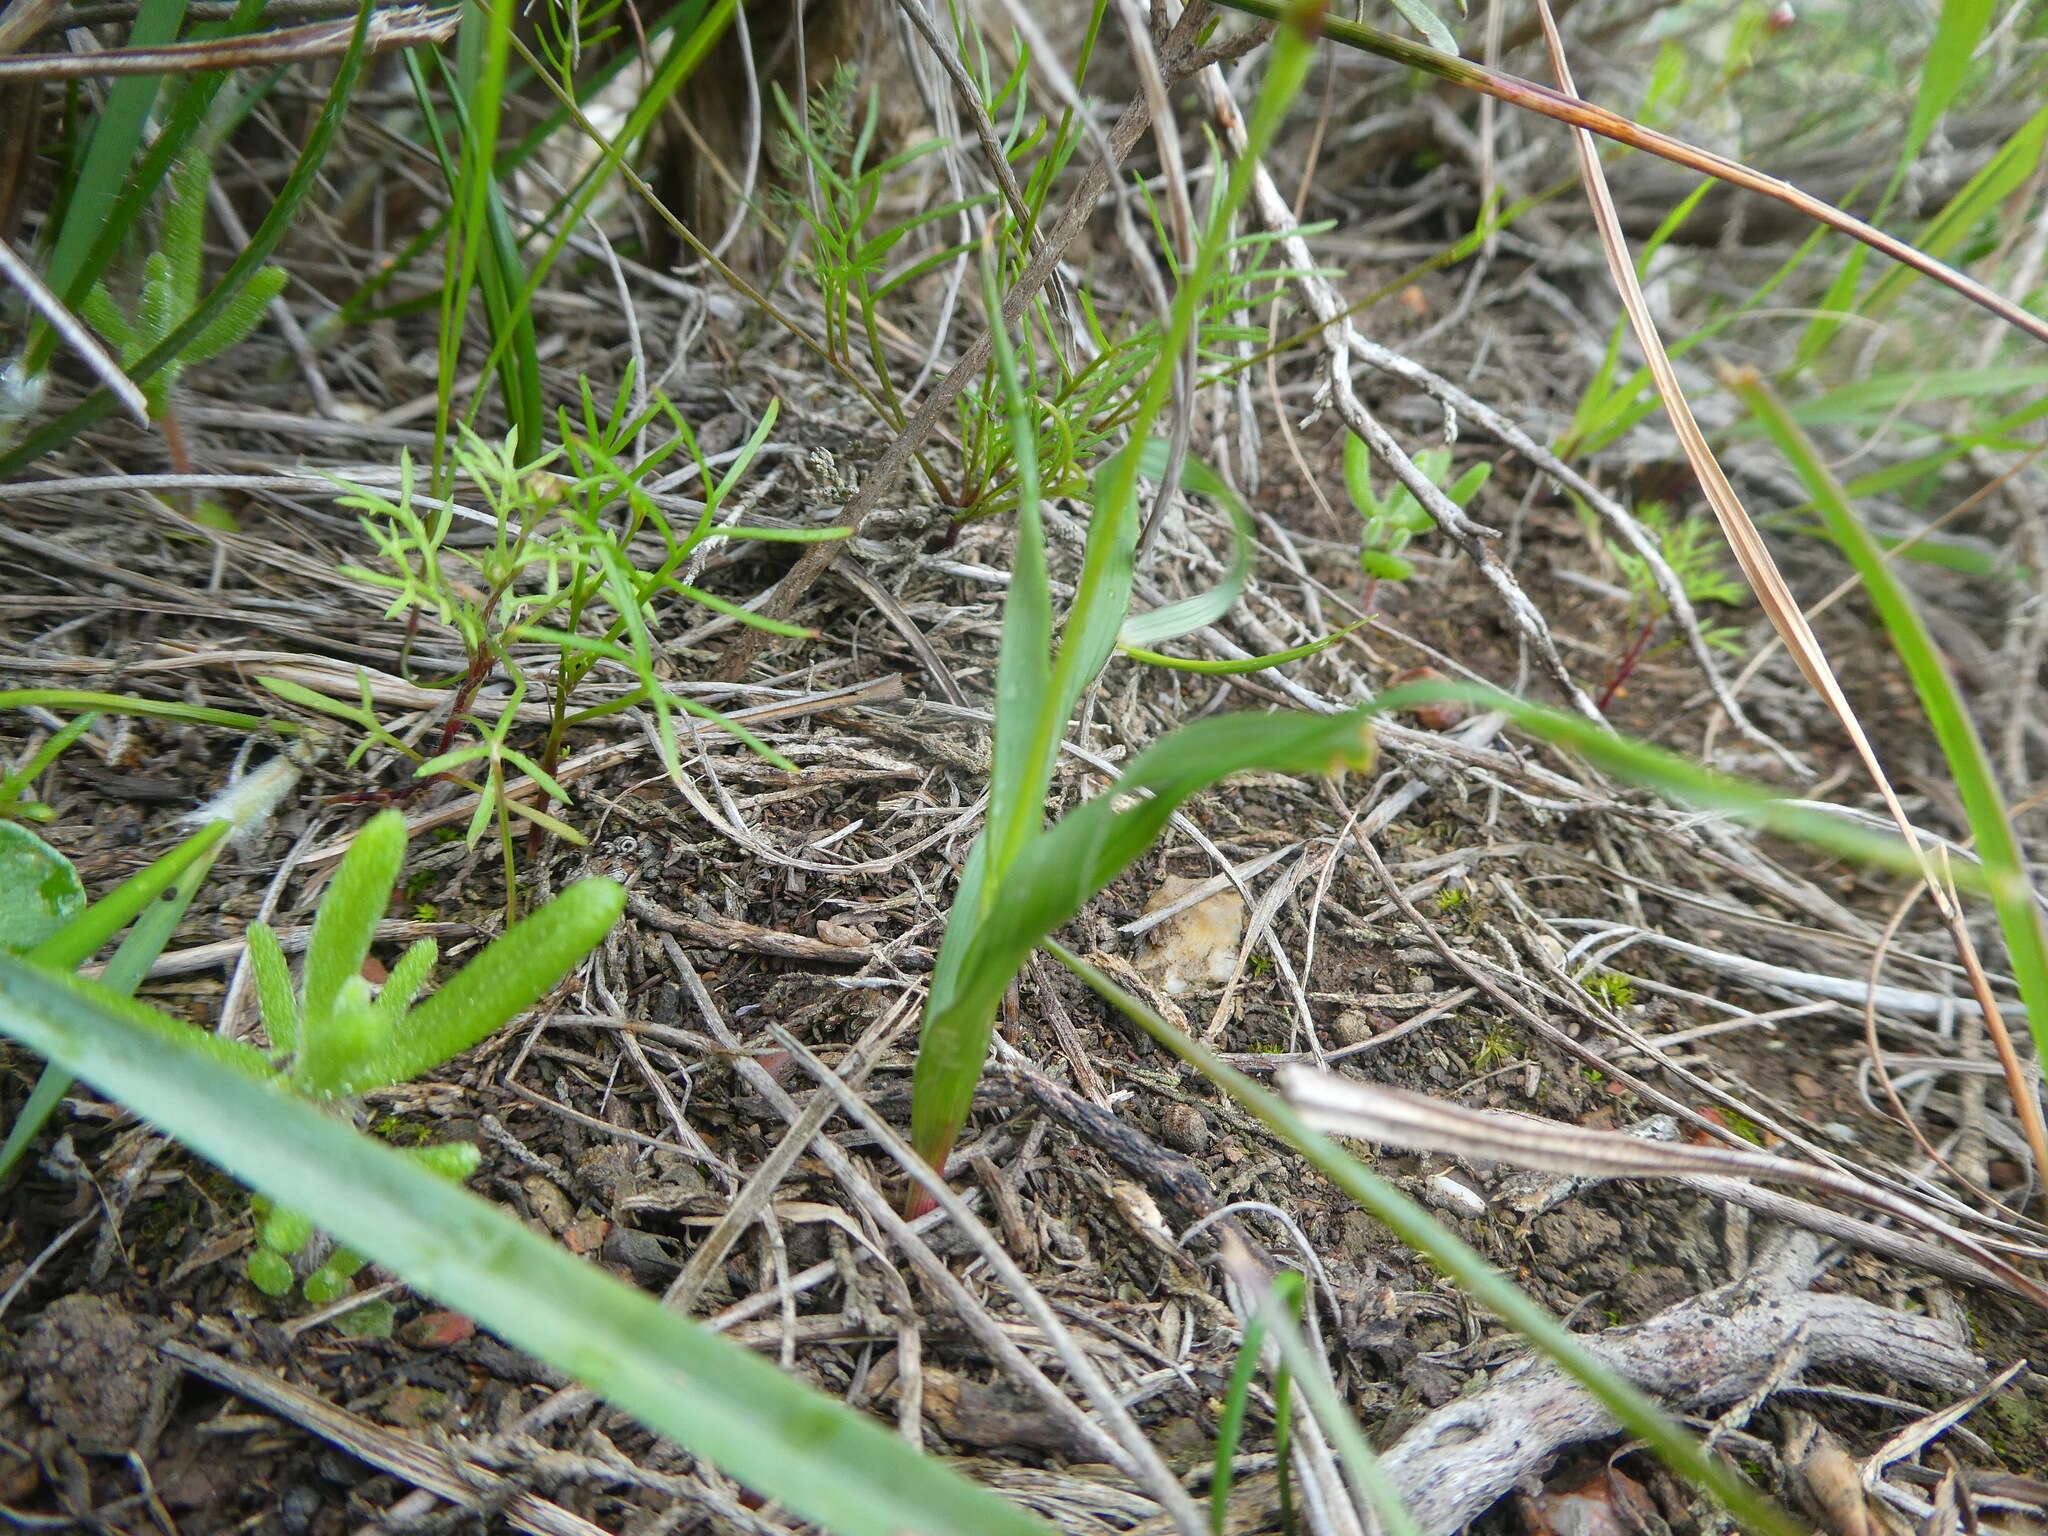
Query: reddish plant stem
[[1630, 660]]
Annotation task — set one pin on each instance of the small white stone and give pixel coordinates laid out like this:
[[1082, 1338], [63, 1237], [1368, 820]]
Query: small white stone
[[1449, 1194]]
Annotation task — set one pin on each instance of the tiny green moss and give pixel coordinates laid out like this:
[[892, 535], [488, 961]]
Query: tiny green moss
[[1611, 988], [1497, 1049]]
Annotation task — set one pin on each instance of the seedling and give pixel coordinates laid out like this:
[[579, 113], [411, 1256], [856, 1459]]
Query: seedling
[[827, 150], [333, 1038], [1292, 1291], [1611, 988], [1023, 879], [1391, 521], [15, 804], [1692, 548], [583, 559], [170, 297]]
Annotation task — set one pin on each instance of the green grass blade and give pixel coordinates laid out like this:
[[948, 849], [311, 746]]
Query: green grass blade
[[16, 785], [2005, 173], [783, 1440], [114, 147], [124, 973], [960, 1010], [1976, 785], [1237, 666], [1957, 33], [1173, 620], [283, 214], [1230, 1425], [1105, 583], [1060, 870], [1681, 779], [79, 939], [153, 709], [1454, 1258], [1026, 732], [187, 114], [1279, 1307]]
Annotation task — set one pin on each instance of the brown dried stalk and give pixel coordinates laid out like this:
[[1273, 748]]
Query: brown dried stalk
[[1367, 1112]]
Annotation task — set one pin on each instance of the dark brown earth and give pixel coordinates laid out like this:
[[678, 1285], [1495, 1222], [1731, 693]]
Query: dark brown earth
[[615, 1123]]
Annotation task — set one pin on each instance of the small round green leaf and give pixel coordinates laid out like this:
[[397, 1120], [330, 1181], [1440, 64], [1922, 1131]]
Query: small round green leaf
[[270, 1272], [39, 890]]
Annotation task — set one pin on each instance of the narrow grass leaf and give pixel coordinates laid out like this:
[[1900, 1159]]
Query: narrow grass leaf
[[80, 938], [283, 214], [111, 151], [1062, 869], [20, 780], [1172, 620], [1342, 1106], [1311, 1372], [2014, 164], [1027, 733], [138, 952], [1682, 779], [1232, 667], [150, 709]]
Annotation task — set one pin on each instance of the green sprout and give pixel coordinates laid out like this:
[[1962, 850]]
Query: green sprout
[[15, 783], [170, 296], [1291, 1289], [1497, 1049], [1391, 522], [1691, 547], [1611, 988], [334, 1038]]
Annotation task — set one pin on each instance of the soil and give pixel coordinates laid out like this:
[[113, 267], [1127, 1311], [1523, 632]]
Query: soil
[[612, 1122]]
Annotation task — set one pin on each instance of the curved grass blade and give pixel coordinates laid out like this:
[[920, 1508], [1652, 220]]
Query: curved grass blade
[[1235, 666], [782, 1439], [2012, 897], [960, 1011], [1060, 870], [1173, 620], [80, 938], [171, 883], [1682, 779], [263, 240], [153, 709]]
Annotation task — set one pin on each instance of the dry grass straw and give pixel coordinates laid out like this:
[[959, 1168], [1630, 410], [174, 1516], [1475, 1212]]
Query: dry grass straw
[[1772, 593]]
